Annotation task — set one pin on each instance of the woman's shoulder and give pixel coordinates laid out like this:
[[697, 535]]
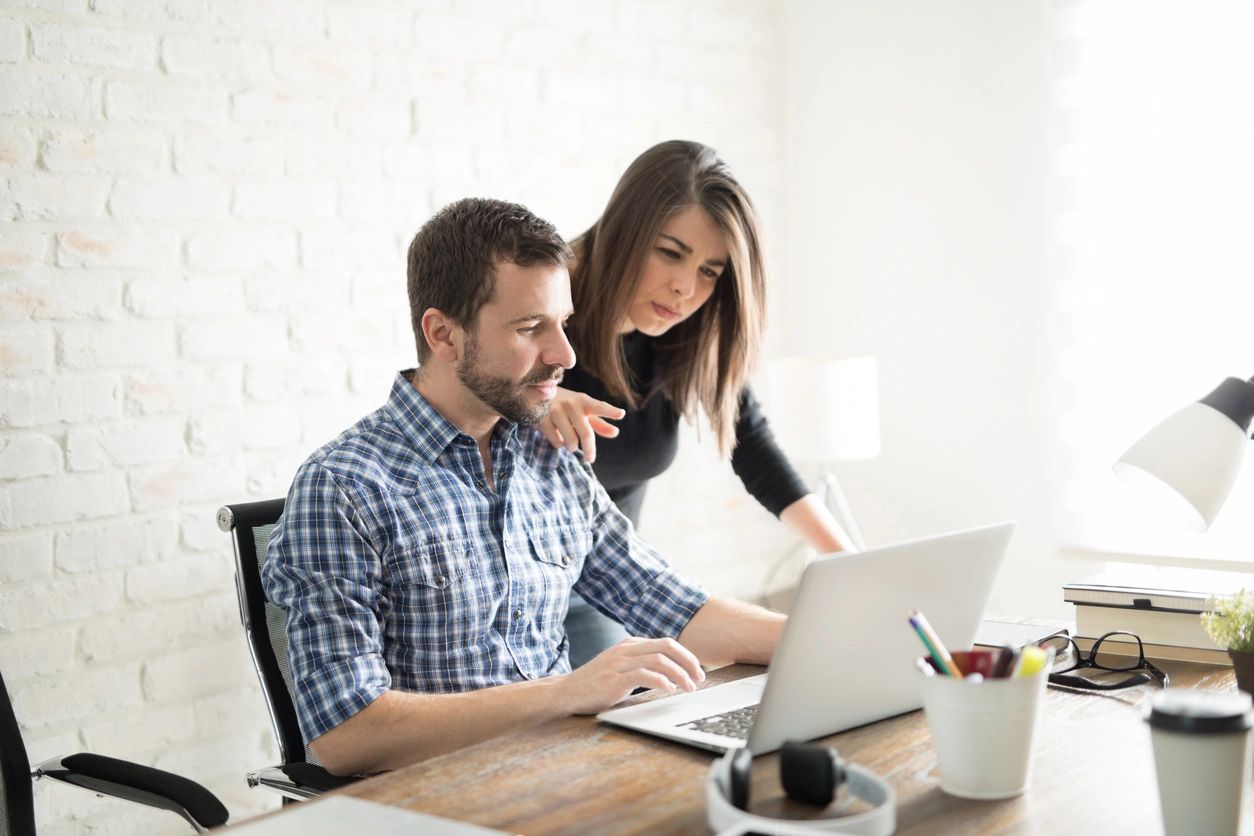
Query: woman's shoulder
[[638, 351], [579, 379]]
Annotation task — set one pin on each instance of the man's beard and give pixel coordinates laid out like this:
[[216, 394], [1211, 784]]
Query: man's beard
[[506, 396]]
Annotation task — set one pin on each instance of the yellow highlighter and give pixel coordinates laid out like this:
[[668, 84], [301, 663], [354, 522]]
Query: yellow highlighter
[[1031, 660]]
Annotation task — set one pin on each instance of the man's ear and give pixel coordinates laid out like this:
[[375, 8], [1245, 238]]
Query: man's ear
[[444, 336]]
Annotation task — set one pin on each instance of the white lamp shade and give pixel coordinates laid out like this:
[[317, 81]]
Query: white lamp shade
[[1186, 465], [824, 410]]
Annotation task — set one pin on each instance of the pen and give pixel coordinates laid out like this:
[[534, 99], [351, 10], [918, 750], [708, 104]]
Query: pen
[[932, 655], [933, 644], [1005, 662], [934, 658]]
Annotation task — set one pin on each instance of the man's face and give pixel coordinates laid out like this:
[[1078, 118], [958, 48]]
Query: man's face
[[516, 352]]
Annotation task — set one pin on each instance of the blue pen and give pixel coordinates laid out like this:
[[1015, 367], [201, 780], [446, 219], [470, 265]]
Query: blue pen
[[933, 644]]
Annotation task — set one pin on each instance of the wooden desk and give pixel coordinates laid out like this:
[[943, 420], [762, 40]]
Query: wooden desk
[[1093, 773]]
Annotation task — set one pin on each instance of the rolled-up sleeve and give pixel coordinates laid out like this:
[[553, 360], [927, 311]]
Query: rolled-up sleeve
[[628, 580], [322, 569]]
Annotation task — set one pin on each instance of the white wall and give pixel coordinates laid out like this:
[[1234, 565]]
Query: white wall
[[918, 177], [205, 205]]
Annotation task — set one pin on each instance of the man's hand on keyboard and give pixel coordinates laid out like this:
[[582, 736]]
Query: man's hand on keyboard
[[633, 663]]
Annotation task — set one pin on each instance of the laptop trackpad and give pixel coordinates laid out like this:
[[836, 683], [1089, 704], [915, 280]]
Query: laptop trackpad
[[683, 707]]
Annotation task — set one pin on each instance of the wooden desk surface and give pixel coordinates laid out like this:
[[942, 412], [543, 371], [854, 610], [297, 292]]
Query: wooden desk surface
[[1093, 773]]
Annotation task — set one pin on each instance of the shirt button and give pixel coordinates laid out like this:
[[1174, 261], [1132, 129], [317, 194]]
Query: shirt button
[[517, 614], [441, 581], [479, 483], [565, 560]]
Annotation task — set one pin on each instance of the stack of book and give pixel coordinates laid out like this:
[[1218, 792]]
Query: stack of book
[[1162, 605], [996, 632]]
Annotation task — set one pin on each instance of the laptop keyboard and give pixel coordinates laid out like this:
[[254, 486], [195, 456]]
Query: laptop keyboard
[[733, 724]]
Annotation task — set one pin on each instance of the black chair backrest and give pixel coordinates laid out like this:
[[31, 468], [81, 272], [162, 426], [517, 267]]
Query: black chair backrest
[[17, 800], [265, 624]]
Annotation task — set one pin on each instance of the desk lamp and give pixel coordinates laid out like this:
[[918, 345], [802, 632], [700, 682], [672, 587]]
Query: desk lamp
[[1187, 464], [825, 411]]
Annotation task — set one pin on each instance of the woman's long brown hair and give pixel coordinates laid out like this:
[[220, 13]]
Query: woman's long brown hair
[[705, 359]]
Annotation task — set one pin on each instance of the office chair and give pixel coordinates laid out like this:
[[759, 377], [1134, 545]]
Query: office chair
[[97, 773], [300, 776]]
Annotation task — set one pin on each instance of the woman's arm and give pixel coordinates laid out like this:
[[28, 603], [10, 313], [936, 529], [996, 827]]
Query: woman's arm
[[774, 482], [815, 524], [575, 420]]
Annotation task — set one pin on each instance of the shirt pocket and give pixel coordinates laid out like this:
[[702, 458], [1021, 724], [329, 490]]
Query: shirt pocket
[[558, 558], [439, 596], [562, 549]]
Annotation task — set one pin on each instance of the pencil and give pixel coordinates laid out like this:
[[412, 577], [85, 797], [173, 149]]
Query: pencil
[[933, 643], [931, 651]]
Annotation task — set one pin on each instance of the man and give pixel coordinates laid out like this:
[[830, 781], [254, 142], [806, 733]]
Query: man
[[426, 556]]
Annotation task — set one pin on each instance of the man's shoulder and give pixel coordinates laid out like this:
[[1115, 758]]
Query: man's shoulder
[[371, 453], [542, 456]]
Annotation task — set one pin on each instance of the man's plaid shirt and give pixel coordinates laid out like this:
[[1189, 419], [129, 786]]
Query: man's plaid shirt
[[400, 569]]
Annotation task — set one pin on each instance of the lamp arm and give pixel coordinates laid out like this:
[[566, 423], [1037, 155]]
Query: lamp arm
[[835, 501]]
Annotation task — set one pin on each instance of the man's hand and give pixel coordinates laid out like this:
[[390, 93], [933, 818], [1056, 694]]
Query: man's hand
[[663, 664], [576, 419]]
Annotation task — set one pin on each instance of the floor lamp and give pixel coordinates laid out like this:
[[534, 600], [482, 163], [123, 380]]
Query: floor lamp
[[825, 411]]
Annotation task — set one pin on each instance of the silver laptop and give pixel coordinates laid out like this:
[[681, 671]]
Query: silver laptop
[[846, 656]]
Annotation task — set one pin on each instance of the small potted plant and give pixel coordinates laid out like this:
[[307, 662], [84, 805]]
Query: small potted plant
[[1230, 623]]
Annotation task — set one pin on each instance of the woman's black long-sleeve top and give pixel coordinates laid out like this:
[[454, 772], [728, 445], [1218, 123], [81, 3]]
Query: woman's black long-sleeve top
[[648, 440]]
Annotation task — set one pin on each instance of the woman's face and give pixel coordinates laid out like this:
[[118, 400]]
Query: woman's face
[[680, 271]]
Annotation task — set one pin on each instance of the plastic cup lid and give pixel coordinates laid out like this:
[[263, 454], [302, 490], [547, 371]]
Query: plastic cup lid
[[1200, 712]]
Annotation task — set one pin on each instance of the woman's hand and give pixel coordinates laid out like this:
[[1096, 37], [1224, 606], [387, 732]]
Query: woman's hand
[[575, 420]]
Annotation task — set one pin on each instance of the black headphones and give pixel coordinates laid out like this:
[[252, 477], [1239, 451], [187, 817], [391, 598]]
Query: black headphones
[[810, 773]]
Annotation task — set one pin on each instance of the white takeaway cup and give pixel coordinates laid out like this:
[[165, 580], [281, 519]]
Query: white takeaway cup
[[983, 732], [1202, 747]]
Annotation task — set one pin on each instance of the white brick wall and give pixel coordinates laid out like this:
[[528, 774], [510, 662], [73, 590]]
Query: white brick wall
[[204, 209], [106, 148]]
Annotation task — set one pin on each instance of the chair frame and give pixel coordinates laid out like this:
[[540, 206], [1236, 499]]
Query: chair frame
[[116, 778], [296, 779], [56, 769]]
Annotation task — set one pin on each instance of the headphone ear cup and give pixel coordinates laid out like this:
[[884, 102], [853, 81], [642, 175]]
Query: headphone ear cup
[[738, 779], [809, 772]]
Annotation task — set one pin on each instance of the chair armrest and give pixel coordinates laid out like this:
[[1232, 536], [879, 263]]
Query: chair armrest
[[273, 778], [298, 781], [312, 775], [140, 784]]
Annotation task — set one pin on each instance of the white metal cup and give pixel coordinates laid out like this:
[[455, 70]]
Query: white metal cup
[[983, 732]]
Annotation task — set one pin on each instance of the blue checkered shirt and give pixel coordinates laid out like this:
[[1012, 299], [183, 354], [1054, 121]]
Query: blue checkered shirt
[[400, 569]]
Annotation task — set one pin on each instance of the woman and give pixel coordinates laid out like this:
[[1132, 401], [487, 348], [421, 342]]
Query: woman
[[669, 295]]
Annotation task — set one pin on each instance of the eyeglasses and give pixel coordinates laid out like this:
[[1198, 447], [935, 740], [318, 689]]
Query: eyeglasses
[[1114, 656]]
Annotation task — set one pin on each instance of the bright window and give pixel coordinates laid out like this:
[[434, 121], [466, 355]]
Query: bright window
[[1153, 141]]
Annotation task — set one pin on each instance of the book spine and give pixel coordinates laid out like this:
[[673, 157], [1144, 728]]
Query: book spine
[[1124, 598], [1153, 627], [1208, 656]]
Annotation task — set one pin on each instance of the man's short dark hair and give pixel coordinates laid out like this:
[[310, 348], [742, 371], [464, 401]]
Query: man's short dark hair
[[452, 258]]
